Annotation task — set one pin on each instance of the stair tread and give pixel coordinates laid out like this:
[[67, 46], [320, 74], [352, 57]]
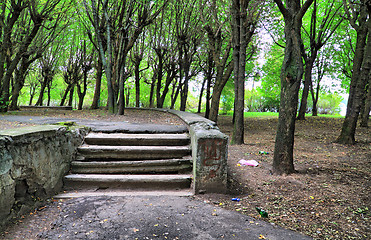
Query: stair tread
[[133, 148], [123, 139], [136, 136]]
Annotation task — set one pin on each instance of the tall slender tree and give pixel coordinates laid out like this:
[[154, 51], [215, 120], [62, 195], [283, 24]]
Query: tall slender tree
[[291, 76], [318, 36], [245, 15], [358, 15]]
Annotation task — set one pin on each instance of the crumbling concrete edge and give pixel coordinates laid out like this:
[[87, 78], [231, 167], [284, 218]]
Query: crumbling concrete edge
[[20, 151]]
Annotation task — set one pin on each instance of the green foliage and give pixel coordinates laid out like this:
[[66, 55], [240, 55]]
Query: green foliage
[[227, 98], [270, 88], [329, 103], [3, 105]]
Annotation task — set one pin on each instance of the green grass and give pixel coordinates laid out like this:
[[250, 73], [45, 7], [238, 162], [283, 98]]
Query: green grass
[[275, 114], [260, 114], [330, 116]]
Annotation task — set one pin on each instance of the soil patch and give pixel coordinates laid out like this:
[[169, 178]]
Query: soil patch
[[130, 116], [328, 197]]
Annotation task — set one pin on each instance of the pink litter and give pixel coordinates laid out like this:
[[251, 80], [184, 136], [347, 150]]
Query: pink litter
[[251, 163]]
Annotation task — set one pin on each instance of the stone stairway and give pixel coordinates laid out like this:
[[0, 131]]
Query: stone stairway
[[121, 163]]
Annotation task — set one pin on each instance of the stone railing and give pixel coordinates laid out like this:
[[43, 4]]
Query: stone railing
[[33, 161], [209, 153]]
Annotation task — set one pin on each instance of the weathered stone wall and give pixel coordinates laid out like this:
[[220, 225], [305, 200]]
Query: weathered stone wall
[[209, 154], [33, 161]]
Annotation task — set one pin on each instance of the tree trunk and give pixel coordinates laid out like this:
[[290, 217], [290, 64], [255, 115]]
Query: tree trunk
[[137, 80], [5, 80], [49, 94], [19, 80], [70, 99], [361, 68], [42, 90], [208, 93], [184, 92], [240, 41], [127, 102], [151, 93], [175, 94], [315, 96], [307, 83], [217, 92], [98, 83], [209, 77], [63, 100], [160, 70], [291, 76], [367, 108], [170, 75], [200, 97]]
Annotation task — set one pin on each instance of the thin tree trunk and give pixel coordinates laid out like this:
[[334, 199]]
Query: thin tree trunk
[[200, 97], [315, 99], [42, 90], [159, 77], [137, 80], [366, 111], [217, 92], [208, 93], [49, 94], [307, 83], [151, 93], [63, 100], [98, 83], [70, 100]]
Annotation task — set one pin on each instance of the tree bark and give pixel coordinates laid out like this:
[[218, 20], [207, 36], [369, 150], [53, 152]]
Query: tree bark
[[307, 84], [208, 93], [361, 68], [367, 108], [98, 83], [200, 97], [19, 80], [243, 28], [217, 92], [160, 70], [70, 99], [64, 97], [291, 76], [137, 60]]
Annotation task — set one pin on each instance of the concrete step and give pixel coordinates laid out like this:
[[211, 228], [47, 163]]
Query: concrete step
[[120, 193], [143, 166], [117, 181], [122, 139], [122, 127], [133, 152]]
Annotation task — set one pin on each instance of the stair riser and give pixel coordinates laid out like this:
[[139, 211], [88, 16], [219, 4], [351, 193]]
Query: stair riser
[[137, 163], [116, 154], [114, 185], [133, 170]]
